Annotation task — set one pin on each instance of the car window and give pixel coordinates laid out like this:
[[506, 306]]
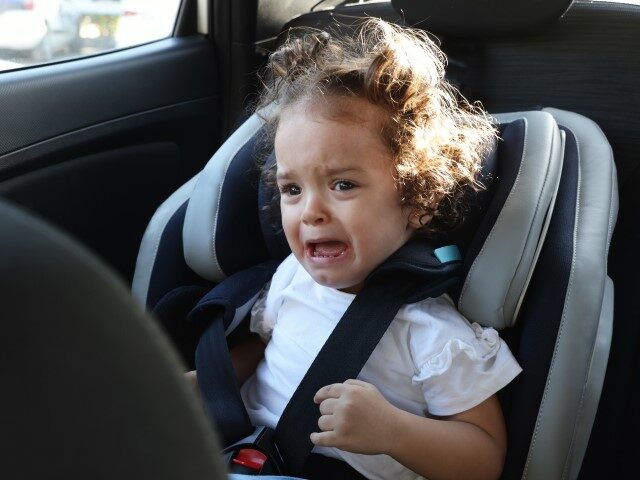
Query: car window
[[634, 2], [41, 31]]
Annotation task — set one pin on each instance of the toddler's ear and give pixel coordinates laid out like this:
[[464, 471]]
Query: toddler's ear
[[418, 219]]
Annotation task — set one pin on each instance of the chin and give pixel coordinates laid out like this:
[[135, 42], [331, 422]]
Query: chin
[[327, 282], [339, 284]]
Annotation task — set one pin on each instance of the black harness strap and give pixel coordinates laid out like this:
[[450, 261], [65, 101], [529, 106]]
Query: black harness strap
[[342, 357], [218, 384], [216, 377], [411, 274]]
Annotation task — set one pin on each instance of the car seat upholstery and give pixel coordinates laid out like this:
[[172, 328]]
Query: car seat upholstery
[[90, 386], [551, 204], [566, 320]]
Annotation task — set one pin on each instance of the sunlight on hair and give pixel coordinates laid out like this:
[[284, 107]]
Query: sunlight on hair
[[438, 140]]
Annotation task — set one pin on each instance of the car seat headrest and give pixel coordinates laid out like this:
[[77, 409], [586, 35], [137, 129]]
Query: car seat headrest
[[269, 213], [222, 232], [228, 225], [503, 252], [232, 221], [474, 19]]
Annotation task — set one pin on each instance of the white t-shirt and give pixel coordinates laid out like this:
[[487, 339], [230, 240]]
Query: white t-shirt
[[431, 360]]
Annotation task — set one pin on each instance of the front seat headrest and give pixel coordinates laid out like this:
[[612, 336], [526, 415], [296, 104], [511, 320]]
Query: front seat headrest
[[91, 387]]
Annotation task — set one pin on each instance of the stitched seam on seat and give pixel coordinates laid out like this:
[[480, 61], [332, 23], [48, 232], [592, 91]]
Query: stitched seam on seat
[[611, 209], [158, 240], [562, 321], [153, 263], [509, 197], [595, 339], [584, 387], [217, 206], [565, 470], [544, 183]]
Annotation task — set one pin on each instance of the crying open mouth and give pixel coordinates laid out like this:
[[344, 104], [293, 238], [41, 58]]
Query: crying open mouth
[[330, 249]]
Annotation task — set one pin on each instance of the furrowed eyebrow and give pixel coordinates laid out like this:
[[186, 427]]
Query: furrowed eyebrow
[[286, 175], [282, 175], [337, 171]]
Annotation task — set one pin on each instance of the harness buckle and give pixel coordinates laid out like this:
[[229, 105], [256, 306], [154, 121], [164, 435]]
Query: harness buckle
[[256, 454]]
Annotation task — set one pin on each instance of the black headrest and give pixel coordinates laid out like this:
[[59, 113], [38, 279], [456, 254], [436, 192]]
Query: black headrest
[[481, 18], [90, 385]]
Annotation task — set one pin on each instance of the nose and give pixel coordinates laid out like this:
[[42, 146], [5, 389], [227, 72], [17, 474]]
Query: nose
[[315, 210]]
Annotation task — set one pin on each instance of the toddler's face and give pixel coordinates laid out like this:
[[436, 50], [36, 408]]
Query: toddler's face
[[341, 210]]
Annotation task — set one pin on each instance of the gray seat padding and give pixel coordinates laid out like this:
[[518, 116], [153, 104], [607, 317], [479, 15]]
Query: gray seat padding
[[536, 268]]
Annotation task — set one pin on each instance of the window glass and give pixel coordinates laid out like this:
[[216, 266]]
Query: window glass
[[634, 2], [40, 31]]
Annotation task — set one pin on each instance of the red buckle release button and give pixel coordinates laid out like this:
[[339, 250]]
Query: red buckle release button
[[250, 458]]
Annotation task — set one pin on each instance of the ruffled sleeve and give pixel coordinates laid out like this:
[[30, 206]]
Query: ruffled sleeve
[[458, 364], [264, 313]]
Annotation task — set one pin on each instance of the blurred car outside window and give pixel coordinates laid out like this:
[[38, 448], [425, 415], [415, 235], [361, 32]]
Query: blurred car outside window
[[41, 31]]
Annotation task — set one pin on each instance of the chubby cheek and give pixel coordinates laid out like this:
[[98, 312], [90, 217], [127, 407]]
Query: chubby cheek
[[390, 236], [291, 228], [363, 243]]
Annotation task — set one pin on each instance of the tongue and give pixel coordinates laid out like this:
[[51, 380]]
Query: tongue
[[330, 249]]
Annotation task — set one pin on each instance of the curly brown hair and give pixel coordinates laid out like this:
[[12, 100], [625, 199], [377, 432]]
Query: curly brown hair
[[437, 139]]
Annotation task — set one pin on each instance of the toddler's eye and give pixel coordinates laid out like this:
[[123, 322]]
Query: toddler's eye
[[290, 189], [342, 185]]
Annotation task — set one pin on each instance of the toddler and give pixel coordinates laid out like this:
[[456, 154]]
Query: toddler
[[373, 148]]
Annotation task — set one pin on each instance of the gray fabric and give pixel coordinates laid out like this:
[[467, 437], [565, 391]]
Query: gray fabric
[[560, 427], [593, 387], [90, 386], [200, 222], [498, 277], [151, 240]]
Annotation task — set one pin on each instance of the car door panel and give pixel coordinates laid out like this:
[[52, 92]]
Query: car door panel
[[94, 145], [105, 198]]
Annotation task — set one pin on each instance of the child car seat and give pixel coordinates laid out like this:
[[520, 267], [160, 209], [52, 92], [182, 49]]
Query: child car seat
[[552, 205]]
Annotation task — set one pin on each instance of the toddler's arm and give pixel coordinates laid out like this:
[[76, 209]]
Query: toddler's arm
[[357, 418], [244, 358]]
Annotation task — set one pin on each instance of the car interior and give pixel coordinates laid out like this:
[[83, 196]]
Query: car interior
[[118, 170]]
